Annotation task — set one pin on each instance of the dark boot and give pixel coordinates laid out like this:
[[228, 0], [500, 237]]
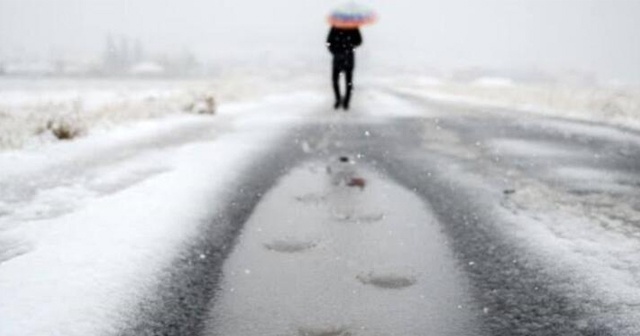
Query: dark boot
[[347, 98]]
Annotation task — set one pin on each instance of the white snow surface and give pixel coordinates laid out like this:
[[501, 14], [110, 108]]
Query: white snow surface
[[84, 225]]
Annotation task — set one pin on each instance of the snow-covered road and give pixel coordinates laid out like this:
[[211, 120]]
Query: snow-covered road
[[469, 221], [318, 257]]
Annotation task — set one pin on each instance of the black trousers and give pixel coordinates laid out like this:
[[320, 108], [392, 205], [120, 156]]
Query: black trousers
[[343, 63]]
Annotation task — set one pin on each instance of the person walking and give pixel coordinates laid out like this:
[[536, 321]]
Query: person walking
[[341, 42]]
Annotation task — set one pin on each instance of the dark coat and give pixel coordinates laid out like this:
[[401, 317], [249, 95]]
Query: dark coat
[[343, 41]]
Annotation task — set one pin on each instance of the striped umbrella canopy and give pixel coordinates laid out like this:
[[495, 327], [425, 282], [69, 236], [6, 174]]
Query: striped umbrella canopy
[[352, 15]]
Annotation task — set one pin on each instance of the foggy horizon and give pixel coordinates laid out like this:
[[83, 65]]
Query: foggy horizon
[[595, 36]]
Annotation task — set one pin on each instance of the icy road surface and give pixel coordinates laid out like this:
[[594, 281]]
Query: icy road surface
[[402, 217]]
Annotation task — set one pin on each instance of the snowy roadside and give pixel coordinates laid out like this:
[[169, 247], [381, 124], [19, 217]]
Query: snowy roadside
[[34, 113], [84, 225], [614, 106]]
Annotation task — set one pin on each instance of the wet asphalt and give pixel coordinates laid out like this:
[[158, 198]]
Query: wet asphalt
[[434, 158]]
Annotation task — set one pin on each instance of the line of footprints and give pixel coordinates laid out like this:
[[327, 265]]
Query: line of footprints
[[341, 177]]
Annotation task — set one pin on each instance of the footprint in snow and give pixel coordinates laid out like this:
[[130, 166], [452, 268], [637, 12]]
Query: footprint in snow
[[330, 331], [387, 280], [367, 218], [311, 199], [290, 246]]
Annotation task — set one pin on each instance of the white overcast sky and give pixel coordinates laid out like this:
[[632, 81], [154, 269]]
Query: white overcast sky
[[602, 36]]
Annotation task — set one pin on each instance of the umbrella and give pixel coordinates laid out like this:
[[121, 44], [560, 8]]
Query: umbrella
[[351, 15]]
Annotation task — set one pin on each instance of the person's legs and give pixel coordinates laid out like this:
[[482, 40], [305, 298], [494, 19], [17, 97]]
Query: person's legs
[[349, 80], [336, 85], [349, 65]]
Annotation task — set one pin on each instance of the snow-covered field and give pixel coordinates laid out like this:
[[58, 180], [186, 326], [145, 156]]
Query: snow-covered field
[[617, 105], [37, 112], [33, 113]]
